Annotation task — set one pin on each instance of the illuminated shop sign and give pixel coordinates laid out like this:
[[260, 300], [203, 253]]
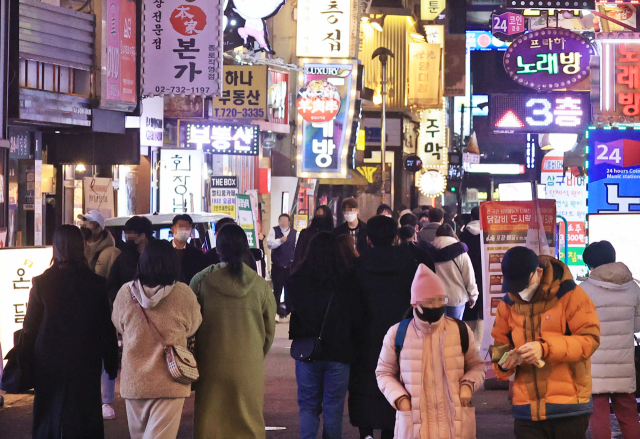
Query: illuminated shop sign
[[432, 183], [244, 94], [549, 59], [552, 4], [540, 113], [508, 26], [483, 40], [223, 139], [325, 106], [433, 144], [325, 28], [180, 180]]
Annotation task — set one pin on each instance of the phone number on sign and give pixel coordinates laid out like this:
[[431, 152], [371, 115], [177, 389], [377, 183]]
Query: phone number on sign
[[182, 90], [234, 113]]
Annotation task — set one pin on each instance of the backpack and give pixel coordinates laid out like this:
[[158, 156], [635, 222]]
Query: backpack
[[402, 332]]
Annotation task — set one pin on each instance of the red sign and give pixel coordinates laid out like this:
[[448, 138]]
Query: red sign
[[278, 97], [120, 54], [318, 101], [514, 216], [188, 20]]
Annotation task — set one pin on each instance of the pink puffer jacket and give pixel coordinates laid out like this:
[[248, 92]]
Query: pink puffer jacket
[[432, 368]]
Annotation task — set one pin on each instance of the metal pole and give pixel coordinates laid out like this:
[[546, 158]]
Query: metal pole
[[383, 131]]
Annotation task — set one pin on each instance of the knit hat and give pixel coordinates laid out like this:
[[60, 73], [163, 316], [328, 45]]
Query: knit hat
[[426, 285], [599, 253], [517, 265]]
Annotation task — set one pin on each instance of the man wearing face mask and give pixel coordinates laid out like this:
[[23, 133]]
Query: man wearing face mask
[[282, 243], [385, 209], [352, 225], [552, 325], [100, 251], [192, 259], [426, 369]]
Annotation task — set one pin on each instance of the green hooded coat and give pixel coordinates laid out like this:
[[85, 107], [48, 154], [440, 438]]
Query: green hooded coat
[[238, 326]]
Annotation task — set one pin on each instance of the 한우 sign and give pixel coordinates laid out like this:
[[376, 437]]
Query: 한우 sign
[[223, 139], [244, 94]]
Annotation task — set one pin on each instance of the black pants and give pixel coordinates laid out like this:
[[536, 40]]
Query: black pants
[[364, 432], [573, 427], [280, 276]]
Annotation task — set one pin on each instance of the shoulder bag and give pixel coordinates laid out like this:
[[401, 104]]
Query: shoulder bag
[[180, 362], [308, 349]]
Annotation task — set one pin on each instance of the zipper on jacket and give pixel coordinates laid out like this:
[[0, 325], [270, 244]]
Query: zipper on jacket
[[533, 366]]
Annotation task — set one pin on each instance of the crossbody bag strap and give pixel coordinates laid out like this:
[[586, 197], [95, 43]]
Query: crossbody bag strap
[[325, 315], [154, 330]]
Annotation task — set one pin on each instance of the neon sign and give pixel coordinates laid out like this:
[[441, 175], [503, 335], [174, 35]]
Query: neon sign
[[539, 113], [552, 4]]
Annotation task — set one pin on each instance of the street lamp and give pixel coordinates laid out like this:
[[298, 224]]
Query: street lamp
[[384, 55]]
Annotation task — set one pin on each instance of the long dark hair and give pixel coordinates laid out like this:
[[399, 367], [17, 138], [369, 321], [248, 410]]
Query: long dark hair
[[324, 261], [446, 230], [349, 253], [159, 264], [324, 221], [68, 246], [232, 244]]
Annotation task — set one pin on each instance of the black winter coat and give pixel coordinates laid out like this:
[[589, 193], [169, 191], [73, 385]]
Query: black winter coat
[[361, 242], [124, 270], [384, 276], [302, 245], [475, 253], [309, 300], [68, 335], [193, 261]]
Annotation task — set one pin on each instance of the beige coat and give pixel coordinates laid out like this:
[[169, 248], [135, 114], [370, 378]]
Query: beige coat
[[431, 370], [102, 254], [144, 370]]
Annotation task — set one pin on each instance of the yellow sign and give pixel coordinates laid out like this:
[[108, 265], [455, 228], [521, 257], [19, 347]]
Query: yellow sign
[[424, 75], [244, 93], [430, 9], [360, 140]]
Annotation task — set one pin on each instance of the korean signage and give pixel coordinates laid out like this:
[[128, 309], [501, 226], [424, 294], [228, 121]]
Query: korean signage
[[278, 97], [562, 112], [222, 139], [549, 59], [619, 81], [19, 143], [152, 121], [483, 40], [325, 114], [433, 144], [244, 93], [119, 81], [182, 48], [507, 26], [19, 267], [180, 180], [614, 171], [98, 195], [430, 9], [505, 224], [246, 220], [424, 74], [223, 195], [324, 28]]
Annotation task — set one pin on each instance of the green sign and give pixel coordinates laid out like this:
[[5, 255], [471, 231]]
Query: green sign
[[246, 220], [575, 256]]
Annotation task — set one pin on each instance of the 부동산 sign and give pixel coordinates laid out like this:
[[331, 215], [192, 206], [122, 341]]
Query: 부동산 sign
[[244, 94], [549, 59], [221, 139]]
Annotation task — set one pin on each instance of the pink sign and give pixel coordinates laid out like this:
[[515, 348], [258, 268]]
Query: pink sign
[[113, 50], [120, 54]]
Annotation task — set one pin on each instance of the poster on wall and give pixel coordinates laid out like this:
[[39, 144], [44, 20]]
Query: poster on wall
[[614, 171], [19, 267], [325, 106], [98, 195], [505, 224], [182, 48], [246, 219], [224, 190], [180, 180]]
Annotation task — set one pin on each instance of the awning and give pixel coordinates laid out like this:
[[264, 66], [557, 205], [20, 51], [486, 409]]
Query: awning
[[354, 178]]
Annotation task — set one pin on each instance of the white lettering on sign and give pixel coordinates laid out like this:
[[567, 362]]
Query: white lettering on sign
[[324, 148], [224, 139]]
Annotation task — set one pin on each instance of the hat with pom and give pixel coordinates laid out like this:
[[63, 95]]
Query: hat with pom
[[426, 285]]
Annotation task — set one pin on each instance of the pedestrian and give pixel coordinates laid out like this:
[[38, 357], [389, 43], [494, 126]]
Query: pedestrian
[[423, 220], [263, 263], [450, 216], [192, 259], [617, 299], [238, 326], [455, 270], [385, 209], [348, 250], [549, 327], [428, 233], [435, 350], [421, 249], [470, 236], [353, 225], [138, 231], [321, 222], [323, 295], [282, 243], [384, 275], [100, 252], [67, 337], [154, 299], [212, 256]]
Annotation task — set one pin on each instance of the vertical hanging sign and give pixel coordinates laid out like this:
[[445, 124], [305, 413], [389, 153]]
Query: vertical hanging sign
[[424, 74]]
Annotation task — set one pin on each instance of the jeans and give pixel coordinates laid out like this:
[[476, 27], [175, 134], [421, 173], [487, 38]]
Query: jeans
[[280, 276], [322, 387], [108, 388], [624, 407], [572, 427], [456, 312]]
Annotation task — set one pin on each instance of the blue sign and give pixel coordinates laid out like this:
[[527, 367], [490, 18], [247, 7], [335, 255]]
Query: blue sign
[[614, 171], [484, 40]]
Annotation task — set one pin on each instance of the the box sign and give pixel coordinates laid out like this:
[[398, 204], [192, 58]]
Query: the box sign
[[223, 139], [507, 26], [614, 171], [433, 144], [244, 94], [180, 180], [325, 27], [152, 122], [562, 112], [278, 97], [182, 48], [431, 9], [425, 87], [224, 191], [549, 59], [323, 136]]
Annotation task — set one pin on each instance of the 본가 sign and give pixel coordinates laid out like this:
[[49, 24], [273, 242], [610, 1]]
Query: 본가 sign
[[223, 139], [244, 94], [549, 59]]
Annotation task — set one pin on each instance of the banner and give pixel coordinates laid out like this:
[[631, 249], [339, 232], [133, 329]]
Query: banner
[[505, 224], [98, 195], [246, 219], [424, 74], [223, 195]]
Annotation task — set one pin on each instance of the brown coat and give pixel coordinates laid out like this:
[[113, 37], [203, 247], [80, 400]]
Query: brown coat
[[144, 370]]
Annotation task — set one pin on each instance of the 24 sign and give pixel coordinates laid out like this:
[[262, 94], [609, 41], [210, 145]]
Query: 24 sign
[[507, 26]]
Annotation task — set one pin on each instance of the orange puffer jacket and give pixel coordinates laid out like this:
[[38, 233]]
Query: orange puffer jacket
[[563, 318]]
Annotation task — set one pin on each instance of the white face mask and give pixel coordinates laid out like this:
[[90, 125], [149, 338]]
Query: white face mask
[[284, 229], [182, 235], [350, 216], [527, 293], [388, 215]]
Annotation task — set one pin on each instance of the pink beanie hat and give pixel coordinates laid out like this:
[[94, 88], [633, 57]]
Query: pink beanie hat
[[426, 285]]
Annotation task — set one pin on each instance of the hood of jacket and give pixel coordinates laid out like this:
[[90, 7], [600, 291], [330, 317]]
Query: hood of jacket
[[233, 286], [105, 241], [149, 297], [447, 249], [614, 276], [473, 227], [387, 260]]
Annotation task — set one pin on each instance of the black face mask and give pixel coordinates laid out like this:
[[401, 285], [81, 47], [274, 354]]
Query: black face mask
[[131, 244], [430, 315], [86, 232]]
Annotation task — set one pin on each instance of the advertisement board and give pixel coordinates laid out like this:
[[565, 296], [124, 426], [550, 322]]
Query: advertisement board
[[224, 190], [483, 40], [246, 219], [18, 267], [98, 195], [325, 27], [182, 48], [614, 171], [425, 86], [180, 180], [215, 138], [244, 94]]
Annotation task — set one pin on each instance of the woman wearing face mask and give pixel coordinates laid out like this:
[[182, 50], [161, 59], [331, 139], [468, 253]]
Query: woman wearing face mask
[[321, 222], [431, 380]]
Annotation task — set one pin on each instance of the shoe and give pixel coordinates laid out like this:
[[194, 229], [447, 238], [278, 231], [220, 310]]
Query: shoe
[[277, 318], [108, 412]]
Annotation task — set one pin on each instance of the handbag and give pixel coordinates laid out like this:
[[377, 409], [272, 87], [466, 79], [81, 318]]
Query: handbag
[[308, 349], [181, 363], [16, 376]]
